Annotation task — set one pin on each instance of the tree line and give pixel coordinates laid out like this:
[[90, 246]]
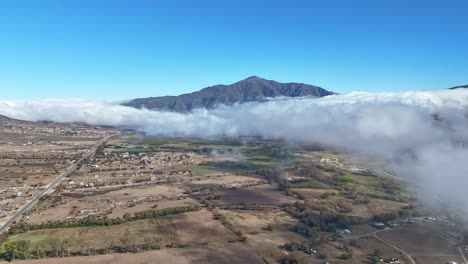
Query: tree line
[[101, 220]]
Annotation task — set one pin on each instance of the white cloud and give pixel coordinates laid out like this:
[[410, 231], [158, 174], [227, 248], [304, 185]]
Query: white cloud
[[384, 125]]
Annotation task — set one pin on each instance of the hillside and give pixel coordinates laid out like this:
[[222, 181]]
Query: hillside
[[250, 89], [8, 120], [459, 87]]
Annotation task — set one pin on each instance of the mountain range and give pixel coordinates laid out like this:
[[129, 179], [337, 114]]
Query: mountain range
[[459, 87], [251, 89]]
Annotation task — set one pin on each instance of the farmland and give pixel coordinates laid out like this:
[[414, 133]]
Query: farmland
[[194, 201]]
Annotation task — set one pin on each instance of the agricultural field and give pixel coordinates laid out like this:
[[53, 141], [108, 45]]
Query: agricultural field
[[199, 200], [34, 154]]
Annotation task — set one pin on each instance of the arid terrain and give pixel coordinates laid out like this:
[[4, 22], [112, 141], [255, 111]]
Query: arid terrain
[[142, 199]]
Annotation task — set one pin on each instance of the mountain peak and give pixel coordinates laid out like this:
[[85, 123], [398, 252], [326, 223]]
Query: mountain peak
[[253, 77]]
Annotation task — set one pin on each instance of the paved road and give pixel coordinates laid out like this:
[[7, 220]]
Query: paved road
[[52, 184]]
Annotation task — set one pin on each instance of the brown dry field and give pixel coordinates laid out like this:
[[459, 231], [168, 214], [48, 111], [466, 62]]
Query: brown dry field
[[104, 202], [419, 241], [59, 212], [200, 228], [267, 243], [255, 220], [138, 192], [437, 259], [360, 254], [252, 223], [260, 194], [230, 253], [81, 142]]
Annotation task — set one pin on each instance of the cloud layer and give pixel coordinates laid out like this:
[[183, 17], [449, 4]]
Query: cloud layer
[[422, 135]]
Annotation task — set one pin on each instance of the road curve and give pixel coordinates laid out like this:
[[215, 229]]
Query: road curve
[[395, 247]]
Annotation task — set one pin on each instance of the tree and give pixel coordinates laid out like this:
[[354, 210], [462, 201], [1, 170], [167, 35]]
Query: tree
[[126, 240], [18, 250], [55, 247], [291, 259], [375, 256]]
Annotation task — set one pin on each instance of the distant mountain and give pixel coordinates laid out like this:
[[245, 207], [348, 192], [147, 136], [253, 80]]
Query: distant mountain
[[4, 120], [459, 87], [250, 89], [8, 120]]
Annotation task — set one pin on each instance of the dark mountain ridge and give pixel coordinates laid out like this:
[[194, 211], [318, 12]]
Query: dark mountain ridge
[[459, 87], [250, 89]]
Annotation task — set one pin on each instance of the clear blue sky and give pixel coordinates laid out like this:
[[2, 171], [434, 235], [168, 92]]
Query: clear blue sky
[[126, 49]]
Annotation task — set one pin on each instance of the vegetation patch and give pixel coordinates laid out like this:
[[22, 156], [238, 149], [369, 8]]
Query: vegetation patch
[[231, 166], [134, 236], [313, 184]]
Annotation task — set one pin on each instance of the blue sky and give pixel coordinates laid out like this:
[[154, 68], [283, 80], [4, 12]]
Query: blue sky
[[127, 49]]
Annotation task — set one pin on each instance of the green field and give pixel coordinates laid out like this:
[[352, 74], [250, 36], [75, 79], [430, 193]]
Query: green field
[[230, 166], [131, 236], [313, 184], [201, 170], [267, 156]]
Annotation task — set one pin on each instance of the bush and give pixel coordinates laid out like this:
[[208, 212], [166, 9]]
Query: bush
[[17, 250]]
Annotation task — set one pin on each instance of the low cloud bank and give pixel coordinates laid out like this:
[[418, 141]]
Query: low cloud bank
[[422, 135]]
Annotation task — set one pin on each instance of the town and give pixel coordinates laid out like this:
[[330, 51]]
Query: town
[[160, 197]]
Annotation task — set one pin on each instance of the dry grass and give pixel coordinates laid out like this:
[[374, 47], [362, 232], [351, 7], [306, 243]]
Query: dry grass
[[231, 253], [200, 228]]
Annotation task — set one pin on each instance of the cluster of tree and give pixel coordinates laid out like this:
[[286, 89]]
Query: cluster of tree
[[17, 250], [323, 221], [311, 221], [100, 150], [291, 259], [64, 247], [164, 212], [101, 221], [299, 246], [375, 257], [385, 217]]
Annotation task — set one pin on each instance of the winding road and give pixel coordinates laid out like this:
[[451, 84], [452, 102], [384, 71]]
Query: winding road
[[395, 247]]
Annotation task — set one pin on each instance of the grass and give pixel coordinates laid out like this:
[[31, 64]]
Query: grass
[[312, 184], [223, 166], [231, 166], [202, 170], [31, 236], [267, 156], [138, 232], [366, 184]]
